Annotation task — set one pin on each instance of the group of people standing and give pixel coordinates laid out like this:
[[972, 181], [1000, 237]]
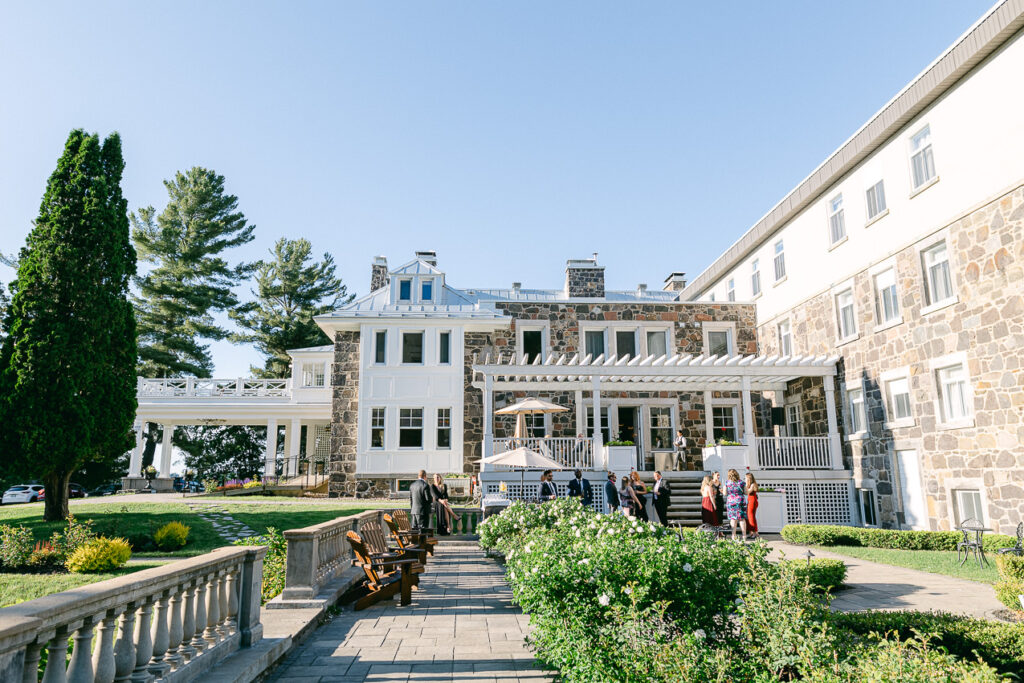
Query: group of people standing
[[426, 498], [631, 496], [739, 500]]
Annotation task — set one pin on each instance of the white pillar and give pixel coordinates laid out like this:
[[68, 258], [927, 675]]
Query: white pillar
[[292, 445], [135, 462], [581, 413], [165, 452], [270, 454], [595, 394], [835, 447], [709, 422], [310, 441], [748, 423], [488, 445]]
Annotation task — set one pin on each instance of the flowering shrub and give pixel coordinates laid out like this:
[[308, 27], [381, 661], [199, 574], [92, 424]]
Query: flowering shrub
[[252, 484], [99, 555], [76, 535], [15, 545]]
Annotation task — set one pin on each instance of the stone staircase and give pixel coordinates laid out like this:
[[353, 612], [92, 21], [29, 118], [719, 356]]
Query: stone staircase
[[685, 504]]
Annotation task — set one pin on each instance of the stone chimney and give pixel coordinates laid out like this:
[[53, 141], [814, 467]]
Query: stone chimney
[[427, 257], [676, 282], [641, 290], [378, 273], [584, 278]]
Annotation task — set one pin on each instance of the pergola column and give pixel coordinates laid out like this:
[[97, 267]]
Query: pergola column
[[488, 445], [135, 462], [165, 451], [294, 432], [709, 419], [835, 447], [581, 413], [270, 454], [595, 393], [748, 422]]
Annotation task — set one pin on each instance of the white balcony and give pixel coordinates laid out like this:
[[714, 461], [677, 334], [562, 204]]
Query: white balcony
[[776, 453], [202, 388], [569, 452]]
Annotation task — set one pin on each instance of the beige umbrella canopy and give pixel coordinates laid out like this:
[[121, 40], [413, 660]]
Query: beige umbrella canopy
[[522, 459], [529, 406]]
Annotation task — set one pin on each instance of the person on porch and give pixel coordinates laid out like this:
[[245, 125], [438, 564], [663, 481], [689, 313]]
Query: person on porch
[[680, 446], [580, 488]]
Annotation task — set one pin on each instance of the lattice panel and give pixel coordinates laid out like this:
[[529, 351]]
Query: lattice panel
[[827, 502], [793, 493], [322, 439], [530, 492]]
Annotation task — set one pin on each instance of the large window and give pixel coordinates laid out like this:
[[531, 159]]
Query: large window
[[657, 343], [899, 398], [606, 430], [410, 428], [876, 200], [938, 284], [967, 505], [723, 423], [595, 342], [780, 261], [377, 427], [427, 290], [730, 290], [886, 300], [755, 277], [405, 290], [444, 428], [625, 343], [313, 374], [535, 425], [857, 421], [444, 348], [954, 394], [412, 347], [380, 346], [921, 160], [785, 339], [836, 220], [533, 341], [845, 319], [718, 343], [661, 427]]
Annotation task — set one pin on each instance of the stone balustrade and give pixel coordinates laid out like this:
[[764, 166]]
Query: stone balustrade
[[169, 623]]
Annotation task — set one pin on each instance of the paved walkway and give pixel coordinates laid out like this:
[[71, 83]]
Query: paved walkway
[[229, 528], [871, 585], [461, 626]]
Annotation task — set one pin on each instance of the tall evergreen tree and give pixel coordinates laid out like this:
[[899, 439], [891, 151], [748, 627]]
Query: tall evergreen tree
[[291, 289], [67, 365]]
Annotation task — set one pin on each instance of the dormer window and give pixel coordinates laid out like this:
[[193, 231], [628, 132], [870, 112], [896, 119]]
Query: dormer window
[[405, 290], [427, 291]]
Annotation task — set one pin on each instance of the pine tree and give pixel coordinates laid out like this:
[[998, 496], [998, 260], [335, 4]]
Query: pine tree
[[291, 289], [67, 365]]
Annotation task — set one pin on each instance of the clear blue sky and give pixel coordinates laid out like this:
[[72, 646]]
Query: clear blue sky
[[508, 136]]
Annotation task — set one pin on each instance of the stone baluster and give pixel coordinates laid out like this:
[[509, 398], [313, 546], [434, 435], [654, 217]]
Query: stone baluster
[[103, 664], [188, 624], [232, 620], [198, 642], [212, 610], [30, 673], [56, 654], [80, 668], [161, 637], [222, 605], [176, 632], [143, 643], [124, 649]]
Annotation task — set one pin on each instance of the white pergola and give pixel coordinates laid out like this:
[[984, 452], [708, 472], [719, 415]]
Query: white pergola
[[679, 373]]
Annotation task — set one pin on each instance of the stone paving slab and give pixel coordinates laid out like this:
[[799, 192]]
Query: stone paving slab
[[461, 626], [874, 586]]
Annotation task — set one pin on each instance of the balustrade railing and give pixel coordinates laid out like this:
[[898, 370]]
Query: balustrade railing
[[199, 387], [152, 625], [793, 452], [569, 452]]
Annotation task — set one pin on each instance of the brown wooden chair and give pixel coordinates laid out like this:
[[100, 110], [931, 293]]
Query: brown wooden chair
[[408, 540], [377, 543], [384, 577], [401, 517]]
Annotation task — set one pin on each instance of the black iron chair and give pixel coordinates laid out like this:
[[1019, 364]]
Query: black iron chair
[[1018, 549], [971, 543]]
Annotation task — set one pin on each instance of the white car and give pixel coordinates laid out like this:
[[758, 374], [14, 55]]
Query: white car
[[26, 493]]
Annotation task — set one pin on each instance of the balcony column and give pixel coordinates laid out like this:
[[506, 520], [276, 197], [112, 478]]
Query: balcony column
[[165, 451], [834, 446], [294, 431], [595, 394], [748, 423], [135, 463], [488, 445], [581, 413], [270, 454], [709, 420]]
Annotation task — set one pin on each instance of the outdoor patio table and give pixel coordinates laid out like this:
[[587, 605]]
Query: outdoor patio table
[[978, 532]]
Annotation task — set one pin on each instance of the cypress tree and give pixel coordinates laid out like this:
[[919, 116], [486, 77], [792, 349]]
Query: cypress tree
[[67, 364]]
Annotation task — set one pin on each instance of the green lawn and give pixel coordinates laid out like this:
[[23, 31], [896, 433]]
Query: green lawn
[[15, 588], [137, 521], [934, 561]]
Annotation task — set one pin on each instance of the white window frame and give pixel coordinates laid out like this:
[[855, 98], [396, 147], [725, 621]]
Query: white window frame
[[315, 368], [730, 289], [792, 407], [886, 379], [423, 441], [880, 213], [838, 291], [666, 330], [954, 485], [398, 290], [755, 278], [438, 426], [401, 348], [737, 415], [853, 408], [647, 415], [930, 305], [373, 350], [875, 272], [542, 326], [868, 487], [614, 332], [778, 257], [783, 339], [836, 217], [718, 326], [915, 187], [936, 366], [383, 428]]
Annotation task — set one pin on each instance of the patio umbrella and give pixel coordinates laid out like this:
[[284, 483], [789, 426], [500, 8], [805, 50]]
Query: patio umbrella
[[522, 459], [528, 406]]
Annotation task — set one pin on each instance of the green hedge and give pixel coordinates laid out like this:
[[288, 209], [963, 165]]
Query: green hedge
[[1011, 571], [820, 534], [823, 573]]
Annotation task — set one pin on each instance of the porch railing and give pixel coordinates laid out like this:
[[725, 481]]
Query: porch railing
[[793, 453], [169, 622], [569, 452], [199, 387]]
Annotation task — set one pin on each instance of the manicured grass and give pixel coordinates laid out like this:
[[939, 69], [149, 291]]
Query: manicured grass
[[934, 561], [15, 588]]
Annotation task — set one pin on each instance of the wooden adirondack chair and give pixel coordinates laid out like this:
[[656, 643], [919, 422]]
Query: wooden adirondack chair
[[402, 518], [408, 540], [377, 543], [384, 577]]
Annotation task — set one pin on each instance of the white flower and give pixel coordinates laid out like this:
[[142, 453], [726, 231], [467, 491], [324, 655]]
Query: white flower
[[604, 600], [700, 634], [627, 590], [577, 533], [739, 601], [687, 568]]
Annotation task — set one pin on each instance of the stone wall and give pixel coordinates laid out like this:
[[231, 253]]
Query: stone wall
[[986, 251], [584, 282], [344, 415]]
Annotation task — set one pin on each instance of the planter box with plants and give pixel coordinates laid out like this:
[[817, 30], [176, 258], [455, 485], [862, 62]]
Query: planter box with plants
[[724, 456], [620, 456]]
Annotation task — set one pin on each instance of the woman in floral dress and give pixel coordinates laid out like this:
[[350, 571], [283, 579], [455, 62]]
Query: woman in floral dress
[[736, 503]]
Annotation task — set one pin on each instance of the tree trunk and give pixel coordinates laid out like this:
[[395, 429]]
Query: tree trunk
[[56, 500], [149, 450]]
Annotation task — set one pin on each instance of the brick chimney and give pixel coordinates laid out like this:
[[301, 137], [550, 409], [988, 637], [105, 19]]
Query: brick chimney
[[584, 278], [676, 282], [378, 273]]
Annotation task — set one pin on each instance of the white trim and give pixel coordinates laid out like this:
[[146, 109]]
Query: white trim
[[929, 242], [718, 326], [965, 484], [836, 292], [543, 326], [737, 406], [884, 379], [923, 187], [864, 431]]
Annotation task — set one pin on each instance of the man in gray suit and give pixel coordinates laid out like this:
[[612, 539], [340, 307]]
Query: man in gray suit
[[421, 501]]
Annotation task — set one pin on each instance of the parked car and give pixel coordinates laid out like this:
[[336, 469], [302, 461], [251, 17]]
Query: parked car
[[179, 484], [25, 493], [105, 490], [76, 491]]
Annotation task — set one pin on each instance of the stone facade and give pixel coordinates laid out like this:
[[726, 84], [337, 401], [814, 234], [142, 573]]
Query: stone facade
[[379, 274], [584, 281], [985, 324], [344, 414]]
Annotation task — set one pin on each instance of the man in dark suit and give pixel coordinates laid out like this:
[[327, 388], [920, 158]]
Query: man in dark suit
[[580, 488], [611, 494], [662, 497], [547, 487], [420, 501]]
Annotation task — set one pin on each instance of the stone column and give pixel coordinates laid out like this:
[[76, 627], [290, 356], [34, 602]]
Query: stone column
[[488, 444], [748, 423], [166, 447], [135, 463], [292, 446], [835, 447], [270, 454]]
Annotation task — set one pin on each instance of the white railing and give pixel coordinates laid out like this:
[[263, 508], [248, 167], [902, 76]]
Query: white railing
[[199, 387], [793, 453], [569, 452], [166, 623]]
